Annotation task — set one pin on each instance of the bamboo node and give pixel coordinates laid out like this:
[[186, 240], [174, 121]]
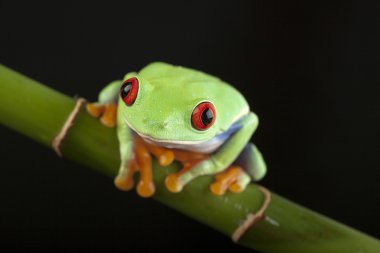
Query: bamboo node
[[253, 218], [60, 137]]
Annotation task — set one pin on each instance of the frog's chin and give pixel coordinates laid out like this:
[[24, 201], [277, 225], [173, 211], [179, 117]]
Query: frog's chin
[[202, 146], [195, 146]]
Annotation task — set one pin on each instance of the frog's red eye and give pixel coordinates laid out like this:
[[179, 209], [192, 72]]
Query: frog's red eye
[[129, 90], [203, 116]]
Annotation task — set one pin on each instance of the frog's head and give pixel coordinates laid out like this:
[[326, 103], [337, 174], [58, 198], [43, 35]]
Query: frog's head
[[172, 104]]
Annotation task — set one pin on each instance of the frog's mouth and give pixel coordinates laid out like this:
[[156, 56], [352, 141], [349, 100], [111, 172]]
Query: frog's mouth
[[202, 146]]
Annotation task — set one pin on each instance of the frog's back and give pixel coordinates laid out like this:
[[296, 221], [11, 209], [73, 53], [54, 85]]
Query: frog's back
[[160, 70]]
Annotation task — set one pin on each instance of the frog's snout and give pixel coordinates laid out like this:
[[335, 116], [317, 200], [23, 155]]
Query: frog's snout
[[166, 124], [149, 122]]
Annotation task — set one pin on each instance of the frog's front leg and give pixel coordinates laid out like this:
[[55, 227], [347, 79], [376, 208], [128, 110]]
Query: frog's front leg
[[106, 106], [218, 161], [134, 156], [128, 161], [145, 187]]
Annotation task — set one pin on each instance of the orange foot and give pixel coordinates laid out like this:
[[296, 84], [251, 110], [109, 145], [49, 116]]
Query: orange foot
[[141, 162], [189, 160], [164, 156], [228, 179], [125, 182], [106, 112]]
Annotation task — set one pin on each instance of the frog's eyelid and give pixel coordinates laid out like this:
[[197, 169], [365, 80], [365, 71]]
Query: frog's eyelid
[[130, 75]]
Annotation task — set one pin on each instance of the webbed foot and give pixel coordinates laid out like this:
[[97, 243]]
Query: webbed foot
[[106, 112], [145, 187], [142, 162], [173, 181], [235, 179], [164, 156], [124, 181]]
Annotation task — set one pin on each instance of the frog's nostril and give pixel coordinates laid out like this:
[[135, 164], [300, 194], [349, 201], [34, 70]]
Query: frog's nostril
[[165, 124]]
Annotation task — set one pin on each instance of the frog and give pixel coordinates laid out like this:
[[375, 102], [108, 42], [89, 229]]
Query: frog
[[175, 113]]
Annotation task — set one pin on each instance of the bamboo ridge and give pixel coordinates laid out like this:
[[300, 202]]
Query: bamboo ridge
[[288, 227]]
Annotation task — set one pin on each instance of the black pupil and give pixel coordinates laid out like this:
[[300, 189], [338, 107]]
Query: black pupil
[[126, 89], [207, 116]]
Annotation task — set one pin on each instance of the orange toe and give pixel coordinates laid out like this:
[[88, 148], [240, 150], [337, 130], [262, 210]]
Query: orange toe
[[235, 187], [123, 184], [218, 188], [226, 180], [109, 116], [146, 189], [172, 183], [166, 158], [95, 109]]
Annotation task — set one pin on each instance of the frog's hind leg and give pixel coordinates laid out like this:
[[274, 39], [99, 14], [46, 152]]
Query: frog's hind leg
[[106, 106], [252, 161], [248, 166]]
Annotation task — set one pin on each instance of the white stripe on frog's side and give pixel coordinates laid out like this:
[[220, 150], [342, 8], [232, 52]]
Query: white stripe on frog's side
[[204, 146]]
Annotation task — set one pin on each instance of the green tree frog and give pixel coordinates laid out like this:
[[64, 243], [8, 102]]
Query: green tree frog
[[177, 113]]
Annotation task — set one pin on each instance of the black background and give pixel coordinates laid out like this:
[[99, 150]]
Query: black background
[[310, 70]]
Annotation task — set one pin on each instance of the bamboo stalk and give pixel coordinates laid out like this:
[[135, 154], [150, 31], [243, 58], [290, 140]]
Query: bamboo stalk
[[288, 227]]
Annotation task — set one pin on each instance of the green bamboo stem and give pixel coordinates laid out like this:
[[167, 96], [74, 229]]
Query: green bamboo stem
[[288, 228]]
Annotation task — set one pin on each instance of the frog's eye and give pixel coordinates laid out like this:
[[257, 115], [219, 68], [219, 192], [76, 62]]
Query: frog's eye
[[129, 90], [203, 116]]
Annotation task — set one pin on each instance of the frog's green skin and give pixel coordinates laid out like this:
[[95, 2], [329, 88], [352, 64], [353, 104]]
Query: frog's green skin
[[162, 113]]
